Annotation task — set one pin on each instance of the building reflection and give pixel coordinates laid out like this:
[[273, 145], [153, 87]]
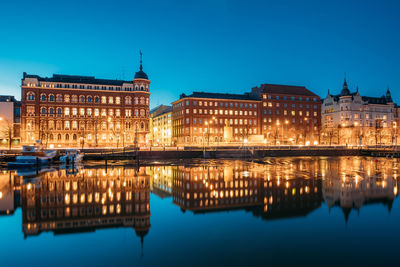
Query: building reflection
[[85, 201], [351, 183], [90, 198], [269, 190], [220, 187]]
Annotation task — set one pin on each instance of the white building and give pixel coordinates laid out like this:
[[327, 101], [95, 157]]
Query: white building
[[351, 119]]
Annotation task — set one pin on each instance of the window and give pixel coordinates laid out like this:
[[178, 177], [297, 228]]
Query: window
[[30, 109], [74, 111], [66, 111], [51, 110], [117, 112], [30, 96], [89, 99], [82, 99], [66, 98], [110, 100], [96, 99], [74, 99], [104, 100], [89, 112], [43, 97], [82, 111], [51, 97]]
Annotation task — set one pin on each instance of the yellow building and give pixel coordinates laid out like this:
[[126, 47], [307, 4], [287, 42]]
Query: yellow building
[[161, 125]]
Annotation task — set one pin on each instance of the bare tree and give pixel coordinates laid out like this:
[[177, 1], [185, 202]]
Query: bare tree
[[378, 131], [7, 131]]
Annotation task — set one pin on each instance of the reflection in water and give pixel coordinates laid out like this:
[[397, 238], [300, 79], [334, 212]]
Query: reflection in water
[[61, 201]]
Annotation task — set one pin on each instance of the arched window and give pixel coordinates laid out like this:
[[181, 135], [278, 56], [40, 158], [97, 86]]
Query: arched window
[[51, 137], [142, 113], [89, 99], [74, 137], [142, 126], [96, 99], [59, 137], [142, 100], [82, 99], [136, 100], [43, 97], [128, 100], [51, 110], [59, 111], [136, 113], [59, 98], [43, 111], [51, 97], [66, 98], [74, 99], [30, 96], [141, 88], [67, 137]]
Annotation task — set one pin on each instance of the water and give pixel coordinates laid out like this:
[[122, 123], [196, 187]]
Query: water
[[280, 211]]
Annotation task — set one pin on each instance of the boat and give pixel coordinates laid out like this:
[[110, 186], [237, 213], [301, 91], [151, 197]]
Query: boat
[[33, 156], [72, 156]]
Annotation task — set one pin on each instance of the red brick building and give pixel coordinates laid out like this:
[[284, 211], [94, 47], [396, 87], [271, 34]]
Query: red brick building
[[289, 114], [72, 111], [213, 118], [269, 114]]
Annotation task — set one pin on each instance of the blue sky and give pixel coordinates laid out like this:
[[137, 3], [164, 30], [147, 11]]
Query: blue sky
[[212, 45]]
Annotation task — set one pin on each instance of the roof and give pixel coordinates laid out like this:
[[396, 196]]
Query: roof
[[62, 78], [159, 110], [245, 96], [284, 90], [7, 98]]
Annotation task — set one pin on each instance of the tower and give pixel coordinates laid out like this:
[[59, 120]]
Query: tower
[[141, 104]]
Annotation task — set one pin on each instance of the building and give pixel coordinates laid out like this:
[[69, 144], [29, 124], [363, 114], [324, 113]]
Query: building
[[351, 119], [214, 118], [269, 114], [161, 125], [289, 114], [73, 111], [10, 120], [91, 199]]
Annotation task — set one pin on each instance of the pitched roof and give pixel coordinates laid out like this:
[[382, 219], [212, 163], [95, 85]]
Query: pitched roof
[[159, 110], [245, 96], [62, 78], [285, 90]]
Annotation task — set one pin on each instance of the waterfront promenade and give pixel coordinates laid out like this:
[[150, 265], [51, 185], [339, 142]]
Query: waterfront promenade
[[223, 152]]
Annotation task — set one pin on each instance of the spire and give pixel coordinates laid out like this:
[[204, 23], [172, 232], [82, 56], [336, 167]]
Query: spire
[[329, 92], [141, 54]]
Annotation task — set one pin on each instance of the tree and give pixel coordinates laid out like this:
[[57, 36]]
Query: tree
[[378, 131], [7, 131]]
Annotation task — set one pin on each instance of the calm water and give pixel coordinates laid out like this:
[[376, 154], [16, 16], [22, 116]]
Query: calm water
[[281, 211]]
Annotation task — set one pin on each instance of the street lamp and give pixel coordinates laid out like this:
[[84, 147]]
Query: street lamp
[[286, 123]]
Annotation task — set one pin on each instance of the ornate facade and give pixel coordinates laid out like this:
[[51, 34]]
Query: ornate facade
[[82, 111], [351, 119]]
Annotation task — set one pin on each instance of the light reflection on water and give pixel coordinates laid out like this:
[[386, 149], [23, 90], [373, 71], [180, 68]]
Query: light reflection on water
[[87, 199]]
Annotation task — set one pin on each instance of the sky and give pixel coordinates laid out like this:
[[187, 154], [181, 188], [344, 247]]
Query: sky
[[212, 45]]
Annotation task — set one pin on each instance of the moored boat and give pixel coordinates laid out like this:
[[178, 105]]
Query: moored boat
[[33, 156]]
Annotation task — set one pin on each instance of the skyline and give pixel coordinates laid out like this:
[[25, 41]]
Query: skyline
[[279, 43]]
